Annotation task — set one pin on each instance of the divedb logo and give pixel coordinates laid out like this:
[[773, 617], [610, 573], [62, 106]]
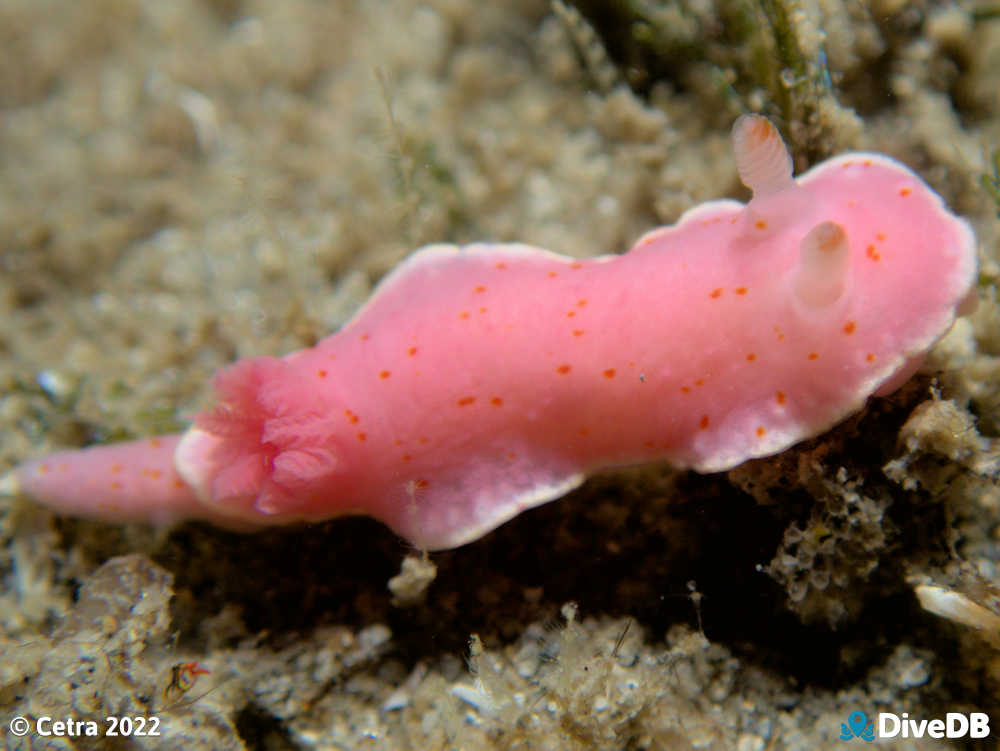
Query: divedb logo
[[891, 725]]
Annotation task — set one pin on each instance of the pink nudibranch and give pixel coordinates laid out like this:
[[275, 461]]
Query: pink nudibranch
[[480, 381]]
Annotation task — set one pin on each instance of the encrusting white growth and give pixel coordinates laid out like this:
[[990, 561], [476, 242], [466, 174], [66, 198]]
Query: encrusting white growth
[[9, 486], [480, 381]]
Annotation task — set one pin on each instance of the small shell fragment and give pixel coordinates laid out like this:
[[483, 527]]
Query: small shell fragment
[[953, 605]]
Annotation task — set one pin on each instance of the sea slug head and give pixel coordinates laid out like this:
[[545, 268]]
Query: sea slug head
[[266, 448], [872, 263]]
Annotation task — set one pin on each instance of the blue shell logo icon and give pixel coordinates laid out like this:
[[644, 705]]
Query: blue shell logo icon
[[857, 726]]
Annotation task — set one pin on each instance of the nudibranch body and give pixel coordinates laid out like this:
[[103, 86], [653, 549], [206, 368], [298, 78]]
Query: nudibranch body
[[480, 381]]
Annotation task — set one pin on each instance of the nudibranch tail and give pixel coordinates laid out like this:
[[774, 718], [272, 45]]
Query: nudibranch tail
[[133, 481]]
